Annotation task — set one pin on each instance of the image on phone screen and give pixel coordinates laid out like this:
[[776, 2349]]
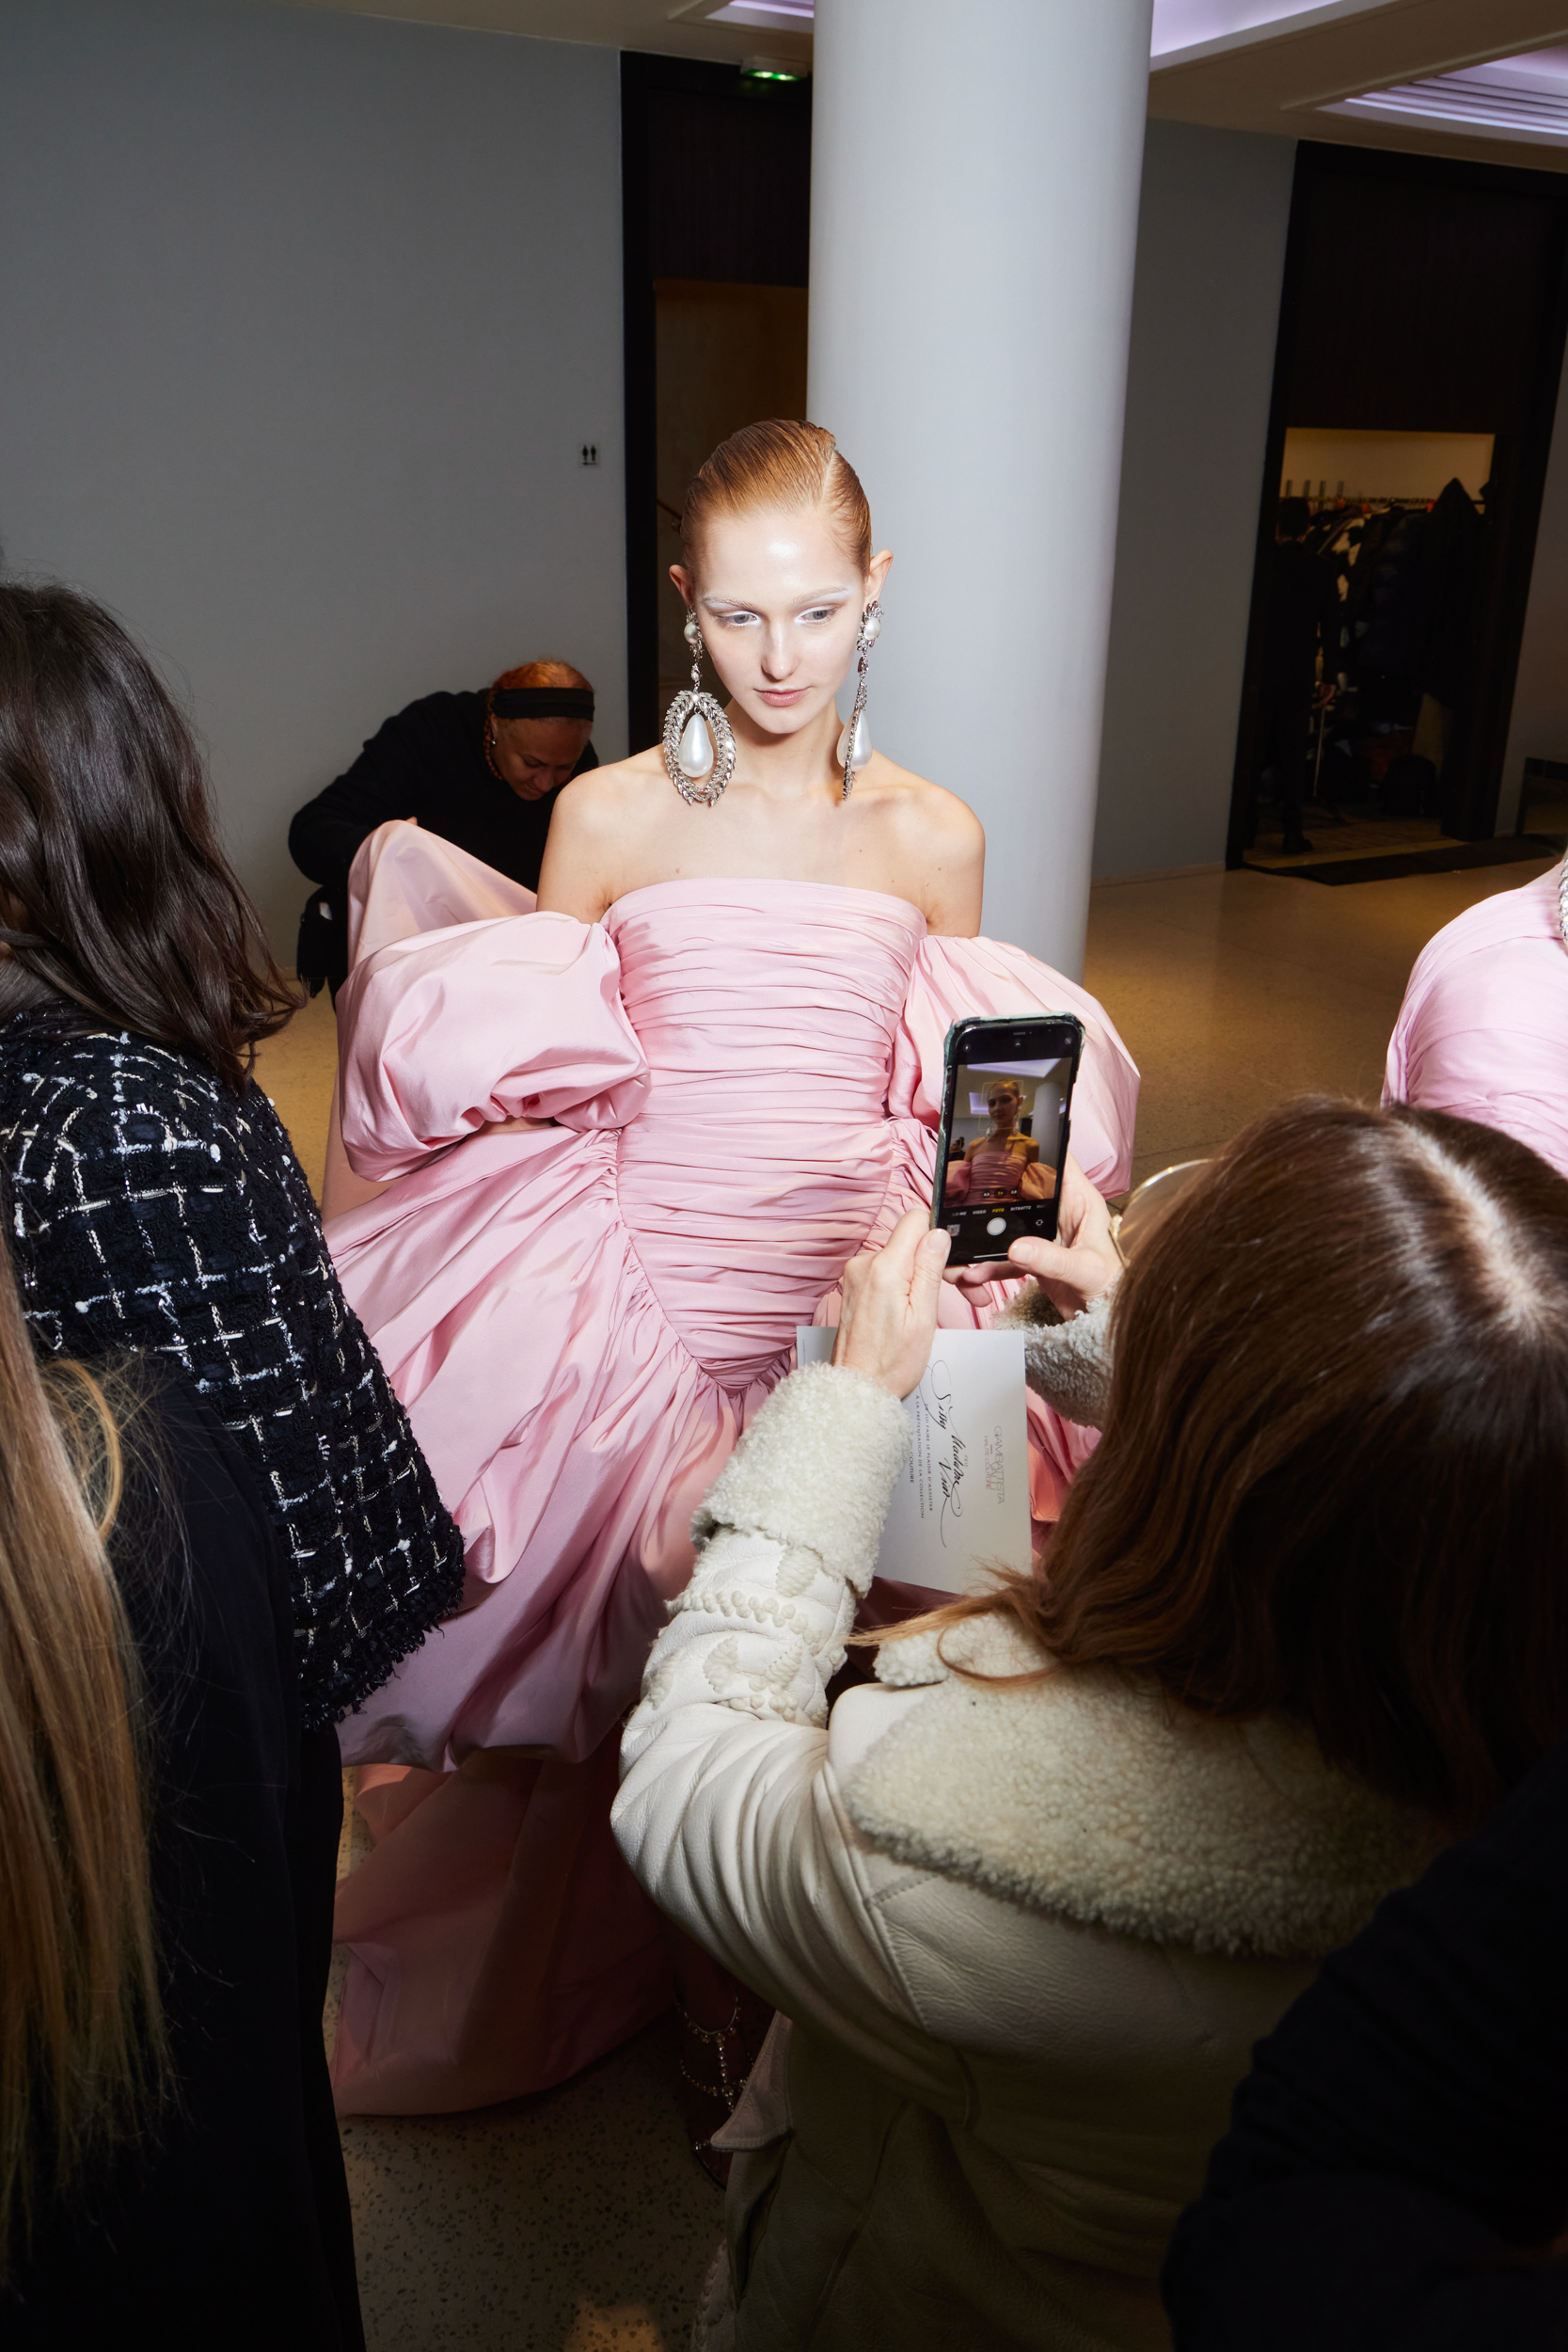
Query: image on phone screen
[[1004, 1134]]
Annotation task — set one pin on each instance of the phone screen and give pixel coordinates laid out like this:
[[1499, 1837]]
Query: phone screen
[[1004, 1132]]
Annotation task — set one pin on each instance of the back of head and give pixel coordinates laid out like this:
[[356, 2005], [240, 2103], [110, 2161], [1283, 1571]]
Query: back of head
[[1293, 520], [1334, 1477], [112, 884], [82, 2045], [787, 467]]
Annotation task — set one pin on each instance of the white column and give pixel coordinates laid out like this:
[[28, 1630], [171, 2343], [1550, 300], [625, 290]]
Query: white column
[[975, 199]]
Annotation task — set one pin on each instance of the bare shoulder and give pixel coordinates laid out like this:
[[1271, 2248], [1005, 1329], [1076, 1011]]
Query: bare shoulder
[[938, 848], [603, 799], [930, 811], [601, 821]]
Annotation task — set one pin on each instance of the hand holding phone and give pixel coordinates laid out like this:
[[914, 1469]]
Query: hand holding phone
[[1079, 1267], [1006, 1108], [889, 1316]]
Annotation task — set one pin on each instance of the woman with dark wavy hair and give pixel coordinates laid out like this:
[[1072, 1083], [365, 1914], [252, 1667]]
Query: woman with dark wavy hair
[[156, 1203]]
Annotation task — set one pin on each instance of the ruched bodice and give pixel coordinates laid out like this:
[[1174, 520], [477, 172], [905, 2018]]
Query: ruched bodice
[[777, 1000], [768, 1018]]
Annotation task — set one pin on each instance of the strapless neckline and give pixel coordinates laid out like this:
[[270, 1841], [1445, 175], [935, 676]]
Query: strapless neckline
[[716, 887]]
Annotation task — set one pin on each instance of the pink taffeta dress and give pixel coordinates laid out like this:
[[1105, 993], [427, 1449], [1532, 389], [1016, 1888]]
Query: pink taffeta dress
[[739, 1087], [1483, 1028]]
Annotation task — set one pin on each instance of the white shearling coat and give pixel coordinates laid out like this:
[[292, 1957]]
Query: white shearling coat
[[1025, 1935]]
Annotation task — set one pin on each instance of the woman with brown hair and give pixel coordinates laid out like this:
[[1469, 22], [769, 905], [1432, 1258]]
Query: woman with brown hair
[[168, 2167], [1029, 1903]]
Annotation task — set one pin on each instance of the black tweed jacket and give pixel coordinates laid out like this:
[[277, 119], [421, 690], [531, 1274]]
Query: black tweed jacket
[[150, 1207]]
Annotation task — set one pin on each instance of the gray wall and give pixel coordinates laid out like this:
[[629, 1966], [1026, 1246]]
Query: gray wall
[[1539, 726], [1204, 314], [303, 319]]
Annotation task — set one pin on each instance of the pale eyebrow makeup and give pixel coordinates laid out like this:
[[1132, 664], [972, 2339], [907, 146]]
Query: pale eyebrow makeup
[[714, 602]]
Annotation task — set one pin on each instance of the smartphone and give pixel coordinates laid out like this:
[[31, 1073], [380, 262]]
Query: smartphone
[[1006, 1106]]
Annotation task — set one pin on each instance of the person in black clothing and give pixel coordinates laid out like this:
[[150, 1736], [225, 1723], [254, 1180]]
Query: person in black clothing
[[483, 769], [1301, 608], [154, 1200], [155, 1208], [217, 2212], [1395, 2178]]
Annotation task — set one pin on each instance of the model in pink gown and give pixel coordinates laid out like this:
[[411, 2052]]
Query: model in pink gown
[[1483, 1028], [743, 1084]]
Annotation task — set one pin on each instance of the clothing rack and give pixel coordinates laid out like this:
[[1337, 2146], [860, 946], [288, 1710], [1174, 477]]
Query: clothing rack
[[1350, 502]]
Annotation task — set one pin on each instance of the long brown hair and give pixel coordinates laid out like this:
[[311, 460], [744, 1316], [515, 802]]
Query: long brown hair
[[83, 2051], [117, 891], [1334, 1476]]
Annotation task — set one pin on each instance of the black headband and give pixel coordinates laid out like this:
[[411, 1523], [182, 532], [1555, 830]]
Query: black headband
[[542, 702]]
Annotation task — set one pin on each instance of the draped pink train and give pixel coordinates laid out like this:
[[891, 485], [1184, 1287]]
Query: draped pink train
[[628, 1158], [1483, 1028]]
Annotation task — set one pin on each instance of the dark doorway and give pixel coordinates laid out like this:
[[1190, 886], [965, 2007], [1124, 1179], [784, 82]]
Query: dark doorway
[[716, 196], [1421, 331]]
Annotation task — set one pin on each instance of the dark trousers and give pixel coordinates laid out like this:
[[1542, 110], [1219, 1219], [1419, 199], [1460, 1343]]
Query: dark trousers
[[1282, 744], [266, 2264], [319, 1827]]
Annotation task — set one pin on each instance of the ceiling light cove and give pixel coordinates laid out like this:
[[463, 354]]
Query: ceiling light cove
[[1516, 98], [1189, 23], [760, 15]]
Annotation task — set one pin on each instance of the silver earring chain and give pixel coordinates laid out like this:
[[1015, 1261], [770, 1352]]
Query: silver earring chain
[[871, 629]]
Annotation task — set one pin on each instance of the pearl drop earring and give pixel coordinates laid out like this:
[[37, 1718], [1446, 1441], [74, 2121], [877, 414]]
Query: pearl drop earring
[[699, 748]]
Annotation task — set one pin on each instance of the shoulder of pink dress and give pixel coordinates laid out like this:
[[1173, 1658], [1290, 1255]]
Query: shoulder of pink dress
[[991, 953], [1526, 919]]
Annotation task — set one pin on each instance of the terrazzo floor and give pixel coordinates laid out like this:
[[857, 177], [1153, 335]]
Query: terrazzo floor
[[1337, 833], [1233, 991], [577, 2222], [573, 2221]]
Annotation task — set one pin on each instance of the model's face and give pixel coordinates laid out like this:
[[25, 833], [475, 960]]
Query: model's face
[[536, 755], [1003, 1108], [779, 603]]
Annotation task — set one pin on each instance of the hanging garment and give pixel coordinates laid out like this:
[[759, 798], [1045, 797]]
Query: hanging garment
[[1456, 556]]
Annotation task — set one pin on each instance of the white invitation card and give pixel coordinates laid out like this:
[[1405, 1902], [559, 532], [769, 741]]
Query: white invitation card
[[962, 1503]]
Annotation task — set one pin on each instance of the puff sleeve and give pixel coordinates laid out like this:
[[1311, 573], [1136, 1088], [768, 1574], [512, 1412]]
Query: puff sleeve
[[448, 1032], [956, 980]]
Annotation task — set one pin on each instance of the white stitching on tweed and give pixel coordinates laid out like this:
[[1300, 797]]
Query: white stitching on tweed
[[154, 1209]]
